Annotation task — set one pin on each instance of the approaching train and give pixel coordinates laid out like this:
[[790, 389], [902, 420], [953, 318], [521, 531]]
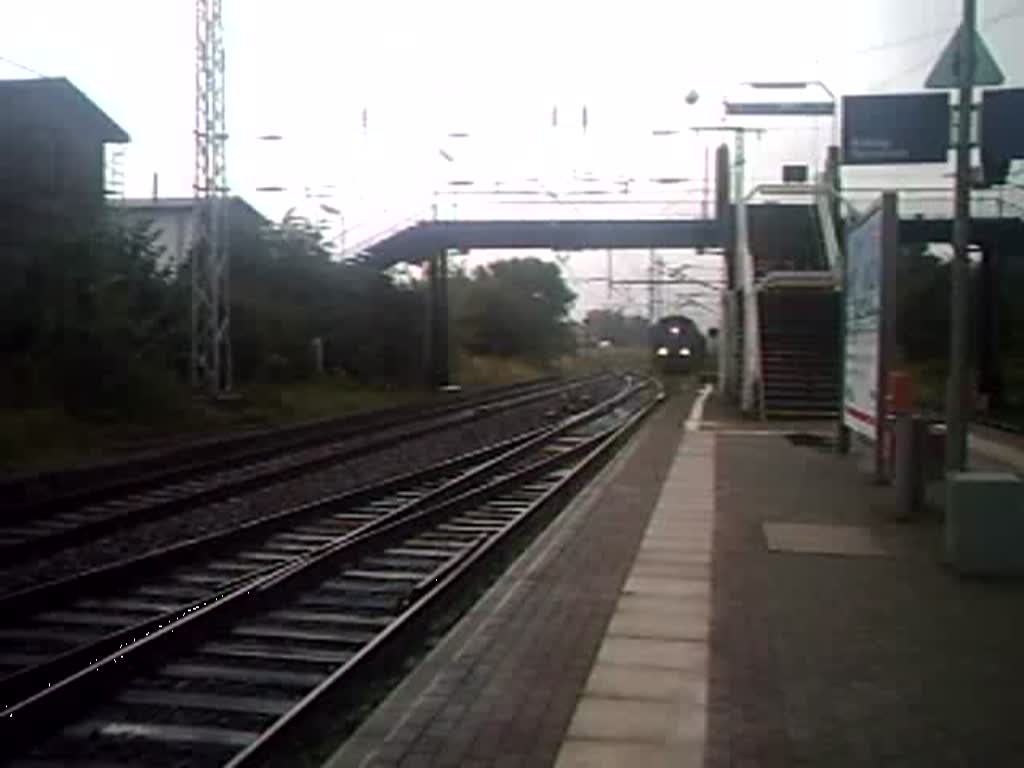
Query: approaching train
[[677, 345]]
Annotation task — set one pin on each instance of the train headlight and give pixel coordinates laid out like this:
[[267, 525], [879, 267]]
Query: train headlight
[[684, 351], [662, 351], [674, 330]]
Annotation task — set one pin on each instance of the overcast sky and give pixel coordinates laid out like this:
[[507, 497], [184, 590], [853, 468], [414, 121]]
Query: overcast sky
[[307, 70]]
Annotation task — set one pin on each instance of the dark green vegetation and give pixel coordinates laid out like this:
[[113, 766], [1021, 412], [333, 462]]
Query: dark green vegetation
[[94, 336], [923, 295], [515, 308], [620, 329]]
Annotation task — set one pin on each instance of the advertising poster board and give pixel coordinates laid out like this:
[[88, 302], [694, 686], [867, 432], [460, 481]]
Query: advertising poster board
[[870, 244]]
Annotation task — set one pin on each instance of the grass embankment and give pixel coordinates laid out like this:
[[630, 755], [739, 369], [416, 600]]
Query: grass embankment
[[478, 371], [473, 370], [42, 437], [610, 359]]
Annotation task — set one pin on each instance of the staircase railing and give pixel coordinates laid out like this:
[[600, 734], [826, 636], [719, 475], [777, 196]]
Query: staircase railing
[[826, 220], [381, 231]]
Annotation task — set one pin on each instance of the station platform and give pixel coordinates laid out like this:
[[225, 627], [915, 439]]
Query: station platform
[[725, 594], [990, 447]]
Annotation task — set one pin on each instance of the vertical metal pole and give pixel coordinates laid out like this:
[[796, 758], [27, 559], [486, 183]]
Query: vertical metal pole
[[437, 353], [724, 214], [745, 262], [705, 202], [225, 381], [650, 288], [211, 330], [611, 275], [197, 262], [443, 355], [888, 359], [429, 300], [957, 385], [833, 175]]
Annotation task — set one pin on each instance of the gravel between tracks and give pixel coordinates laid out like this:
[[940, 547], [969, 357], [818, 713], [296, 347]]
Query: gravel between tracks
[[405, 457]]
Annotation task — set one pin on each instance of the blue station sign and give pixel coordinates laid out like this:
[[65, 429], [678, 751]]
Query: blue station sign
[[1002, 115], [896, 128]]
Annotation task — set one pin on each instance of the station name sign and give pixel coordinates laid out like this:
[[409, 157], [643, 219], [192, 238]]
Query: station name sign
[[1002, 115], [896, 128]]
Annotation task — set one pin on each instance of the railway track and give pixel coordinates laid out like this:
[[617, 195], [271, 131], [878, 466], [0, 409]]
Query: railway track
[[49, 629], [29, 532], [58, 490], [228, 676]]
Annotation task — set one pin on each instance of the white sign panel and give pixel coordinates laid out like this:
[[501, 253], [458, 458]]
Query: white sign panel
[[863, 325]]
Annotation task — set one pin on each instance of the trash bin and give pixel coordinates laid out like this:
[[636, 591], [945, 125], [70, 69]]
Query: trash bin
[[909, 444], [934, 451]]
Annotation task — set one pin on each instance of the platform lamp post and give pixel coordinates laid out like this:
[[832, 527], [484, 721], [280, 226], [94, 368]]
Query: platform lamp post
[[741, 247]]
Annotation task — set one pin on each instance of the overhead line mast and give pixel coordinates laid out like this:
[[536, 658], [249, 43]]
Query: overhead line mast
[[211, 316]]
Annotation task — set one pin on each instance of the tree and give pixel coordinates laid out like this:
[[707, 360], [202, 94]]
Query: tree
[[288, 291], [91, 322], [922, 288], [620, 329], [515, 308]]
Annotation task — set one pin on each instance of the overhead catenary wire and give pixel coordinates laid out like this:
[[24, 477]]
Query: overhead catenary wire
[[924, 37], [14, 63]]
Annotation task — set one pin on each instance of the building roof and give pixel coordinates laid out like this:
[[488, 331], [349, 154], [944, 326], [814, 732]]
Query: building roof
[[56, 100]]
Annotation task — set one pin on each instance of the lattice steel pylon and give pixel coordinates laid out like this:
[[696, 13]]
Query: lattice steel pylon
[[211, 316]]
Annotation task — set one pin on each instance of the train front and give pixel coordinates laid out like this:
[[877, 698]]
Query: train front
[[676, 345]]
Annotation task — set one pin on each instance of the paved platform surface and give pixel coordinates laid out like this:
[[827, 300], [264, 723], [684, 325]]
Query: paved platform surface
[[645, 699], [752, 605], [873, 659], [501, 688], [989, 445]]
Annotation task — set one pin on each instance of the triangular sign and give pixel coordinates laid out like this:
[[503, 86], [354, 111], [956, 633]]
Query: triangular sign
[[946, 73]]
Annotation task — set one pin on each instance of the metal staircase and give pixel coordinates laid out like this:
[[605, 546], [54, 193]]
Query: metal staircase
[[785, 326], [799, 352]]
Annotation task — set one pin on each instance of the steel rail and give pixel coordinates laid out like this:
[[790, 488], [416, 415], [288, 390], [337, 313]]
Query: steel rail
[[25, 721], [57, 490], [47, 535]]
